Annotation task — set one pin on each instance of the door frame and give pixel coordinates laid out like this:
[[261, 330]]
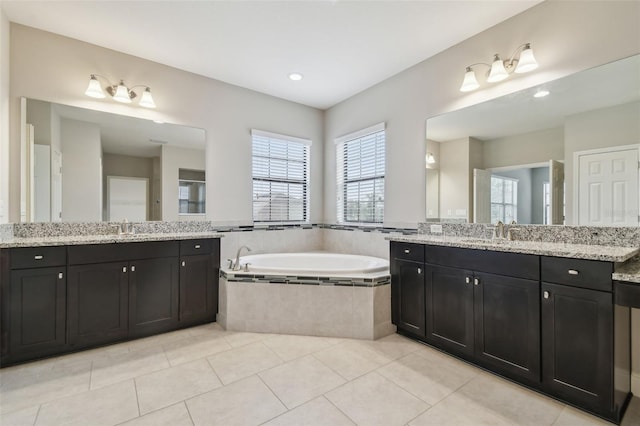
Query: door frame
[[576, 172]]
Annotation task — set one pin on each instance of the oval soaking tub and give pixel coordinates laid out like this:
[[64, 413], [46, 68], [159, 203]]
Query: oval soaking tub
[[313, 264]]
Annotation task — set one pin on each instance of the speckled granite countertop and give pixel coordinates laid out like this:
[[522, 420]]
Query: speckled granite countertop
[[628, 271], [103, 239], [576, 251]]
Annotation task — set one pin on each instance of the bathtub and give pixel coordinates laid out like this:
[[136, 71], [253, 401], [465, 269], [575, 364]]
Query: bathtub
[[321, 294], [313, 264]]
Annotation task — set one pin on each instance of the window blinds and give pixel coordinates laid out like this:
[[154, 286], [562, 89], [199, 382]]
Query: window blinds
[[360, 176], [280, 168]]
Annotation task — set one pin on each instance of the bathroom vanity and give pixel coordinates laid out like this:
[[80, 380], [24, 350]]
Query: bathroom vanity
[[546, 315], [64, 294]]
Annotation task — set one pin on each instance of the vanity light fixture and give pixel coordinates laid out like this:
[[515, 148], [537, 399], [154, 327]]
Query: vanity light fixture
[[119, 92], [499, 69], [430, 158]]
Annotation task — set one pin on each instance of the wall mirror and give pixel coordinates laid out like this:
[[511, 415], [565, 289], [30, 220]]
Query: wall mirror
[[82, 165], [513, 157]]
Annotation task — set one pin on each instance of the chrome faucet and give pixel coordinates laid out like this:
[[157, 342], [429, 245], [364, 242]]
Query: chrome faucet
[[499, 231], [236, 264]]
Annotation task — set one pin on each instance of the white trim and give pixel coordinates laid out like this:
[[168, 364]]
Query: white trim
[[635, 383], [520, 166], [360, 133], [576, 173], [255, 132]]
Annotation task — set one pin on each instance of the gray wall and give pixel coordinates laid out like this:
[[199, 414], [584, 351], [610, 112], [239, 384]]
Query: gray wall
[[526, 148], [127, 166], [539, 176], [5, 84]]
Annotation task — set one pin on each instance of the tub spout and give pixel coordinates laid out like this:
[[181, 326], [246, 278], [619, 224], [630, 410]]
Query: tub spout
[[236, 265]]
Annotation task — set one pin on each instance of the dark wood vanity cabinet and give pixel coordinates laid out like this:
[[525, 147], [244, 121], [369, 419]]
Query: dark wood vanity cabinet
[[547, 322], [585, 337], [34, 301], [408, 291], [75, 297], [199, 268]]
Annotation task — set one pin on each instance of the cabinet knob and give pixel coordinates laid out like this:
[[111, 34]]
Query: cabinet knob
[[407, 251], [476, 281], [124, 269], [419, 271], [573, 272], [60, 275], [197, 246], [184, 263], [38, 257], [467, 280], [546, 294], [133, 268]]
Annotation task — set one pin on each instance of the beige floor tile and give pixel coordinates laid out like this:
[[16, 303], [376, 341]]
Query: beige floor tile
[[241, 338], [246, 402], [42, 381], [166, 387], [513, 402], [106, 406], [23, 417], [289, 347], [351, 360], [195, 347], [459, 410], [374, 400], [573, 417], [117, 368], [175, 415], [393, 346], [301, 380], [242, 362], [159, 339], [429, 378], [318, 412], [632, 415]]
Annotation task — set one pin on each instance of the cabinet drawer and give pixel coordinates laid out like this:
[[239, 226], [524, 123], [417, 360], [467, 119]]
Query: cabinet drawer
[[191, 247], [408, 251], [36, 257], [577, 272], [121, 252]]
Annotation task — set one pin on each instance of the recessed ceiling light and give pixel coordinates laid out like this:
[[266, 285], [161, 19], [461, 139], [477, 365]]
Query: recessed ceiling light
[[295, 76], [541, 94]]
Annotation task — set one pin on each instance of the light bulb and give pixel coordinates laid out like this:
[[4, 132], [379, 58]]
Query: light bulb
[[498, 72], [470, 82], [122, 94], [526, 62], [147, 100], [430, 158], [94, 89]]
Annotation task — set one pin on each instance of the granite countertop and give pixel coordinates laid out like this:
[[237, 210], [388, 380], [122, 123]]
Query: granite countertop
[[103, 239], [576, 251], [628, 271]]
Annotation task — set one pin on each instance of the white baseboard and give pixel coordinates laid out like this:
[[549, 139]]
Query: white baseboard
[[635, 384]]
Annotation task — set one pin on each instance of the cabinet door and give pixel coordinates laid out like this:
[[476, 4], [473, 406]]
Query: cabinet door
[[153, 296], [97, 303], [450, 309], [577, 337], [37, 312], [507, 325], [449, 302], [408, 295], [197, 298]]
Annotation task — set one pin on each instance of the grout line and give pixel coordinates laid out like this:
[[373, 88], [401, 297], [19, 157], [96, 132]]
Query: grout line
[[274, 394], [206, 359], [135, 388], [35, 420], [188, 412], [324, 395]]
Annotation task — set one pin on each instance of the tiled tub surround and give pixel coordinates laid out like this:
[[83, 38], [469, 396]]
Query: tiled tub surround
[[333, 306]]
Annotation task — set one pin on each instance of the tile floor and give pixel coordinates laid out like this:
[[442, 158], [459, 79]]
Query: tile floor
[[207, 376]]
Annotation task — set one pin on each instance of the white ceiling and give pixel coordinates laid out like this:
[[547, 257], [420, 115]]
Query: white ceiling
[[341, 47]]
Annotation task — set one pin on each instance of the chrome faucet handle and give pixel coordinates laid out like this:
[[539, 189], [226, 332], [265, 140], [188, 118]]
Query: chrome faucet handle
[[499, 230], [510, 236], [118, 229], [246, 267], [230, 263]]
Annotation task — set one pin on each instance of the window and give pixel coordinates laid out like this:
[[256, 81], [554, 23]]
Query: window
[[280, 177], [360, 175], [546, 199], [191, 192], [504, 199]]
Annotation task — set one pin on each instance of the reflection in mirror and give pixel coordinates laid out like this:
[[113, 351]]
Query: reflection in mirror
[[513, 138], [87, 166]]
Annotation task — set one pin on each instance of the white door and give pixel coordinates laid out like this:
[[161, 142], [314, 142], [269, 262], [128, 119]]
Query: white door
[[127, 198], [481, 196], [56, 186], [41, 183], [556, 199], [608, 188]]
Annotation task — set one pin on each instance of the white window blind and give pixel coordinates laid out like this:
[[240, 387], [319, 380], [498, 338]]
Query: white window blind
[[360, 176], [280, 177]]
